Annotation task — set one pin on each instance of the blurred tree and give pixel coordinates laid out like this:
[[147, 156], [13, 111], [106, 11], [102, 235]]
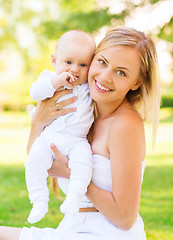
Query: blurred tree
[[31, 28], [48, 20], [166, 32], [87, 21]]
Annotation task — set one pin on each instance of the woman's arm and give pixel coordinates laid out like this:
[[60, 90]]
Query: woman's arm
[[126, 144], [46, 112]]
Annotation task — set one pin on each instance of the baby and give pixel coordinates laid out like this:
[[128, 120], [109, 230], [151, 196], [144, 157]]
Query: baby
[[74, 53]]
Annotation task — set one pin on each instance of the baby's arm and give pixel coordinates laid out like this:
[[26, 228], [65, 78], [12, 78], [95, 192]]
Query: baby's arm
[[48, 82], [42, 88]]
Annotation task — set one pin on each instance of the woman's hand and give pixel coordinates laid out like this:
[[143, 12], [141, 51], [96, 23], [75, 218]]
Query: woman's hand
[[59, 167], [46, 111]]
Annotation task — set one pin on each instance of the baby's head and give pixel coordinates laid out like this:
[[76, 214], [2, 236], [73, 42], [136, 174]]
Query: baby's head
[[74, 53]]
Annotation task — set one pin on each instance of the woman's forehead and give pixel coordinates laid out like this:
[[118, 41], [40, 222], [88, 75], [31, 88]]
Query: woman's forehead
[[120, 53], [122, 57]]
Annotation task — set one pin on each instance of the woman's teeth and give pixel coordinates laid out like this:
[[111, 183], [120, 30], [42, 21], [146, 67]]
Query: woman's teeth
[[101, 87]]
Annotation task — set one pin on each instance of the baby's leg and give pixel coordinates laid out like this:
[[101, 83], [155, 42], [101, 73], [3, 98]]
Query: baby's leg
[[38, 162], [80, 162]]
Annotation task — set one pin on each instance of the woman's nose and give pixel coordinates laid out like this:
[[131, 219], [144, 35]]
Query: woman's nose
[[106, 75]]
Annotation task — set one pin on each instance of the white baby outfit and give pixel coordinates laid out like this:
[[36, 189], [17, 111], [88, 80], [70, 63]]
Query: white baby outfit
[[88, 225], [68, 133]]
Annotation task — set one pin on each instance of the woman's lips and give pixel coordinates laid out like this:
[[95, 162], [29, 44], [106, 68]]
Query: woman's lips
[[101, 88]]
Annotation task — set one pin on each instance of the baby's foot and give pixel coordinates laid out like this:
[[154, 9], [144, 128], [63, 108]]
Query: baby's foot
[[70, 205], [38, 212]]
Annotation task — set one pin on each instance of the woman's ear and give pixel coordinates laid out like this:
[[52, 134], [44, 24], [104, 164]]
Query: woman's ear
[[53, 60], [137, 84]]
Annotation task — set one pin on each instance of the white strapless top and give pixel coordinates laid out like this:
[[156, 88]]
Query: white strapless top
[[102, 172], [101, 176]]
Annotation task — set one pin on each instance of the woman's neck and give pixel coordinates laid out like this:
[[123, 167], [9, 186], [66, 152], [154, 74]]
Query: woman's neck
[[105, 110]]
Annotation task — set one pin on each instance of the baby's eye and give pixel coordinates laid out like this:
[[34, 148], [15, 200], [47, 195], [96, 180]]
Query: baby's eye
[[121, 73], [102, 62], [68, 62], [83, 65]]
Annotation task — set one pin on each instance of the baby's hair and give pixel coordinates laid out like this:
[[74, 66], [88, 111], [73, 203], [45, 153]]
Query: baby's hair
[[74, 34], [147, 97]]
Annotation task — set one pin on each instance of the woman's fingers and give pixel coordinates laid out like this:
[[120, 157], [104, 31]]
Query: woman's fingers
[[66, 102], [55, 150], [47, 110], [59, 167], [60, 105], [60, 93], [61, 112]]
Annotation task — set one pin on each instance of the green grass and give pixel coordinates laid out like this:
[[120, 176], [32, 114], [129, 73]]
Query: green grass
[[157, 189], [156, 202], [14, 203]]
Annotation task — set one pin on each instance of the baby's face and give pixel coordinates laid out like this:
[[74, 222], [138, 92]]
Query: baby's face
[[74, 57]]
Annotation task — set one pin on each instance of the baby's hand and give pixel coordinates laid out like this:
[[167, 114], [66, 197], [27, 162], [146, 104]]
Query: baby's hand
[[63, 79]]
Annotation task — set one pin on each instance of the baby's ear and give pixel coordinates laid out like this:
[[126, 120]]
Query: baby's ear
[[137, 84], [53, 60]]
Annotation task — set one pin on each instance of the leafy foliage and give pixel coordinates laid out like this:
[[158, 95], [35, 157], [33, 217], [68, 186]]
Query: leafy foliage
[[166, 32], [45, 21], [90, 22]]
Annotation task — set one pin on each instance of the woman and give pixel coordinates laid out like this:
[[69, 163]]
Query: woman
[[123, 83]]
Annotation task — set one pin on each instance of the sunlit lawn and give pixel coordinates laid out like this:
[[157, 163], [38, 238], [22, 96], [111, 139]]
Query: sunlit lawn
[[157, 190]]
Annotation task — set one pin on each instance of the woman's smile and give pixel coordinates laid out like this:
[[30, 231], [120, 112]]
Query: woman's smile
[[101, 88]]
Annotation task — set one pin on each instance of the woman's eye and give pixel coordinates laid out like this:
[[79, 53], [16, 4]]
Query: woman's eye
[[68, 62], [83, 65], [121, 73], [102, 62]]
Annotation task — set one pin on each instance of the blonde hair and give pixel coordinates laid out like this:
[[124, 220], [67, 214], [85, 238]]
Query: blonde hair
[[147, 97], [55, 187]]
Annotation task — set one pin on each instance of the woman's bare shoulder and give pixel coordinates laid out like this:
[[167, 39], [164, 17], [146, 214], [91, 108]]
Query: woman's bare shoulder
[[126, 137], [126, 128], [126, 120]]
